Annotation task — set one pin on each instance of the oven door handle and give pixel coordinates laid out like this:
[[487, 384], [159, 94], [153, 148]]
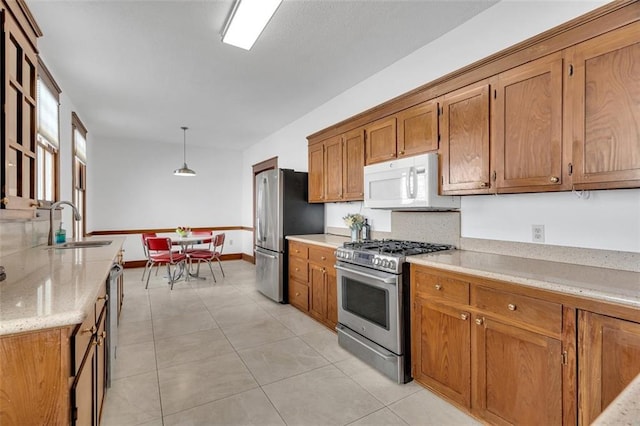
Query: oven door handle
[[390, 280]]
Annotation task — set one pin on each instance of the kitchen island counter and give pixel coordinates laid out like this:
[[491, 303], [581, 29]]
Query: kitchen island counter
[[52, 287]]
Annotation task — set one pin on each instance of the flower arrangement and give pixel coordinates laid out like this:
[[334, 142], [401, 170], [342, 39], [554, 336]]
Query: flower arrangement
[[354, 220], [183, 231]]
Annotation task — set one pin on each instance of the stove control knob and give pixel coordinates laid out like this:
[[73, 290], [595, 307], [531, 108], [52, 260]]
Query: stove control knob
[[392, 264], [376, 261], [385, 263]]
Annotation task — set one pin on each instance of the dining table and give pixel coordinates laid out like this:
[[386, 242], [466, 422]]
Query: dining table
[[186, 241]]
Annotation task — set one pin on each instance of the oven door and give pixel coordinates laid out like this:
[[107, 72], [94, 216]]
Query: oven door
[[369, 304]]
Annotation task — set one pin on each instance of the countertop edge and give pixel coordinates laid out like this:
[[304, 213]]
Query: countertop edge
[[325, 240], [71, 317], [528, 282]]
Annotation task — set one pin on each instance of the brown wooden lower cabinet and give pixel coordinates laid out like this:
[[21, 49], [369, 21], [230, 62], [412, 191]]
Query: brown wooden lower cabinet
[[317, 296], [511, 355], [55, 376], [609, 359], [518, 376]]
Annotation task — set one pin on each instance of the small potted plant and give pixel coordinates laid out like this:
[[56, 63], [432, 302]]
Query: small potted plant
[[183, 231], [354, 221]]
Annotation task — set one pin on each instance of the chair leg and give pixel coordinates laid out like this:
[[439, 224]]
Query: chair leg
[[169, 275], [146, 267], [148, 276], [212, 274], [220, 263]]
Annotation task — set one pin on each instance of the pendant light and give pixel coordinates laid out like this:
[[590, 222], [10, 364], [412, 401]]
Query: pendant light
[[184, 170]]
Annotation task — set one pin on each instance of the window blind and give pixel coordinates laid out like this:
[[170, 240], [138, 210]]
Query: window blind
[[48, 115]]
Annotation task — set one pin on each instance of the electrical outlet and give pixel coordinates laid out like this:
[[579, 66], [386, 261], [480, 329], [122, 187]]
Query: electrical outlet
[[230, 242], [537, 233]]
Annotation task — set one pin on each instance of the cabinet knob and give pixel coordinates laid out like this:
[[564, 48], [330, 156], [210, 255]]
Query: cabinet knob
[[554, 179], [100, 341], [464, 316], [438, 287], [104, 334], [297, 269], [401, 152], [91, 330], [37, 204], [298, 294], [484, 185], [323, 258], [512, 307], [479, 321], [105, 297], [5, 201]]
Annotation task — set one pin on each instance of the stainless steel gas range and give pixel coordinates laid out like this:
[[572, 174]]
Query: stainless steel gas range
[[373, 291]]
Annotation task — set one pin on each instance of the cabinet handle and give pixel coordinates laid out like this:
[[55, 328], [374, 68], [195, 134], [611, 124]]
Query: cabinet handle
[[91, 330], [512, 307], [479, 321], [464, 316], [438, 287], [554, 179]]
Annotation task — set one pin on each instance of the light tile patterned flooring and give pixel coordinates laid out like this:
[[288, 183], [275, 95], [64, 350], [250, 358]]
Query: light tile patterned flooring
[[221, 353]]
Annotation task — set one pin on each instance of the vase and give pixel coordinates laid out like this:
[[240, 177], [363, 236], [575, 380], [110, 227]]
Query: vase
[[355, 234]]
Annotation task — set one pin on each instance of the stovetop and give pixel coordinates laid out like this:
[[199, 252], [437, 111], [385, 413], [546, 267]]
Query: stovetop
[[385, 255]]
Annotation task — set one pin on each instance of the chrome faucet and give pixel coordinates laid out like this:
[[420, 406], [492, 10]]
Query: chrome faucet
[[54, 206]]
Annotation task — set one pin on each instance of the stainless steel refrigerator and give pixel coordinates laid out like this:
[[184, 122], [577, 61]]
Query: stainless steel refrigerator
[[281, 209]]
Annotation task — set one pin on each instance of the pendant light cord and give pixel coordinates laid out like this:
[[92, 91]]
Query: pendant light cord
[[184, 145]]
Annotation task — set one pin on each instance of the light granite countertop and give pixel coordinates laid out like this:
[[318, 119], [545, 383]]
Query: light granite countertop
[[326, 240], [48, 288], [611, 285]]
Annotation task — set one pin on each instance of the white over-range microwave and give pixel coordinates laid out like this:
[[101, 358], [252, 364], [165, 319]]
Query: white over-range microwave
[[406, 184]]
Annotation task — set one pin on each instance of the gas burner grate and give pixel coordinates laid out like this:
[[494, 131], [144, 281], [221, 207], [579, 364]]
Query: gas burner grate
[[398, 247]]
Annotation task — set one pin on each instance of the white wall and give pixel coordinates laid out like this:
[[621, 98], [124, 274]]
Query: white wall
[[131, 185], [595, 223]]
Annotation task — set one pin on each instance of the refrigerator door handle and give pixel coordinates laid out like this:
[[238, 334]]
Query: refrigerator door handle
[[261, 211], [269, 256]]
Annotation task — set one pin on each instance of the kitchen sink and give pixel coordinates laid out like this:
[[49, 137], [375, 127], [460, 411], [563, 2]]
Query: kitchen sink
[[81, 244]]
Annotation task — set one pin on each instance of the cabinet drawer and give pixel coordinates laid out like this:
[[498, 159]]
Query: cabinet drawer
[[298, 268], [298, 249], [534, 312], [431, 286], [323, 256], [299, 295]]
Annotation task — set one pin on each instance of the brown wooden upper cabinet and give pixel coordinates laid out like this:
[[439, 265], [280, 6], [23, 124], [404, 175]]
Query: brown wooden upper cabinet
[[19, 60], [316, 173], [336, 168], [410, 132], [604, 96], [464, 144], [418, 129], [527, 128], [380, 140]]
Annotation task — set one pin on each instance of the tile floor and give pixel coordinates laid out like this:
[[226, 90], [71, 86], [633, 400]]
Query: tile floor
[[221, 353]]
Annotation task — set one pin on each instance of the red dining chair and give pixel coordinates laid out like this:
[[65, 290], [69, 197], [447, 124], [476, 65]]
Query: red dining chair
[[209, 255], [206, 241], [160, 253], [146, 253]]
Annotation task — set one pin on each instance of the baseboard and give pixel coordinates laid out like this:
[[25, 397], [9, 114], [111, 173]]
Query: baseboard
[[248, 258], [231, 256]]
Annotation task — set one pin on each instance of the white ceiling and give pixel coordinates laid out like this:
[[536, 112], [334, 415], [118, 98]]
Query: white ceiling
[[138, 70]]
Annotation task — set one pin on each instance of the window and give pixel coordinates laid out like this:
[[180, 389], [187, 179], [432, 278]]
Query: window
[[48, 137], [79, 136]]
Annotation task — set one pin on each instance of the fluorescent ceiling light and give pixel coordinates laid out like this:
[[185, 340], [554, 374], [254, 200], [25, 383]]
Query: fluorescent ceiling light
[[247, 21]]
